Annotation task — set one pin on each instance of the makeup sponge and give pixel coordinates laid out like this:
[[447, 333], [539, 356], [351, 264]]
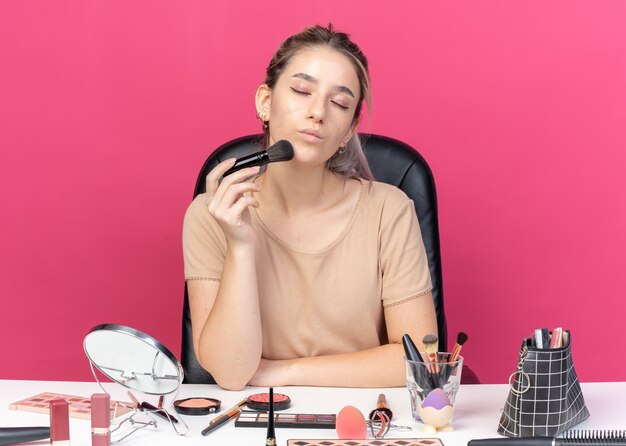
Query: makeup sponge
[[351, 424], [436, 399]]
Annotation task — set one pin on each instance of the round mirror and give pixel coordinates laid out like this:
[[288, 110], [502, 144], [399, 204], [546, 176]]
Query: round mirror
[[133, 359]]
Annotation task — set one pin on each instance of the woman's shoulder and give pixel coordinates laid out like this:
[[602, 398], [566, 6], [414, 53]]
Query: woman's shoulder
[[196, 207], [197, 214], [386, 195]]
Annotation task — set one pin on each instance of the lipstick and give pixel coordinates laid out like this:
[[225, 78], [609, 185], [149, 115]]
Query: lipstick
[[100, 419], [59, 422]]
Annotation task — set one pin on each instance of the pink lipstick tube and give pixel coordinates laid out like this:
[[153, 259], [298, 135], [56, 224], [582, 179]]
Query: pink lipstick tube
[[59, 422], [100, 419]]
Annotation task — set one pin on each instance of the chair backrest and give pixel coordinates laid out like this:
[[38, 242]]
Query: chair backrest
[[392, 162]]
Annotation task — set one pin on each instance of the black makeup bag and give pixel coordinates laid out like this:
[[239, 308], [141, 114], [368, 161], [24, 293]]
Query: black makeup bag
[[545, 398]]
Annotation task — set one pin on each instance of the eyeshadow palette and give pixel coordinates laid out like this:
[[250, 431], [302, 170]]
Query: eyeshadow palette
[[249, 418], [80, 406], [372, 442]]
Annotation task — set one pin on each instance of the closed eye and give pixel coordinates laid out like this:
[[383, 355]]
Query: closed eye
[[304, 92], [340, 105]]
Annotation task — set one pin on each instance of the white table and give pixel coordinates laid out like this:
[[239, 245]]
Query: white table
[[476, 414]]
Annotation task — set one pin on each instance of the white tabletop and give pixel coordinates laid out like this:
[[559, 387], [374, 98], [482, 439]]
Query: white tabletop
[[477, 411]]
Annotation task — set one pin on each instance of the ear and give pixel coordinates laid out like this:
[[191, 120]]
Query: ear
[[353, 128], [263, 101]]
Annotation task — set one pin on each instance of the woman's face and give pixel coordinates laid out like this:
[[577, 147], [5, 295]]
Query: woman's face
[[312, 104]]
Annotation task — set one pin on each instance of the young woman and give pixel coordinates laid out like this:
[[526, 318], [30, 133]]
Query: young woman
[[307, 273]]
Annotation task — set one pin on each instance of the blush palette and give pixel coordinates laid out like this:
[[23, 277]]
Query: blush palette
[[372, 442], [249, 418], [79, 406]]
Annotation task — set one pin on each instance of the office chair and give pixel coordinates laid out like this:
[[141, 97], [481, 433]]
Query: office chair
[[392, 162]]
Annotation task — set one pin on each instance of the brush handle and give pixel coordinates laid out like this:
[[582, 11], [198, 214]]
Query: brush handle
[[382, 401], [506, 441], [381, 406], [12, 435], [159, 412], [410, 350], [255, 159], [412, 354]]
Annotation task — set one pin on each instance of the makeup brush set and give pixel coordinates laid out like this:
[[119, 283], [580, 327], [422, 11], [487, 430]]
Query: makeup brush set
[[433, 380], [439, 366]]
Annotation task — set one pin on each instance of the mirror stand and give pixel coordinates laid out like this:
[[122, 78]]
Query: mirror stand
[[103, 345]]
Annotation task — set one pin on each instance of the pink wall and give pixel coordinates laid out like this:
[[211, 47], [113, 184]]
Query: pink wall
[[109, 107]]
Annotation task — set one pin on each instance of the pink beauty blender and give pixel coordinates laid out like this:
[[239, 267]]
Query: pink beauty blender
[[351, 424]]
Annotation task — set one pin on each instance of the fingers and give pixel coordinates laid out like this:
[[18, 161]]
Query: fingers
[[242, 204], [215, 188], [233, 185], [234, 216], [225, 197], [228, 200], [212, 179]]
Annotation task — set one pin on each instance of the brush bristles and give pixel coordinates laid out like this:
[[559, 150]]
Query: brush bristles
[[461, 338], [280, 151], [430, 343], [587, 437]]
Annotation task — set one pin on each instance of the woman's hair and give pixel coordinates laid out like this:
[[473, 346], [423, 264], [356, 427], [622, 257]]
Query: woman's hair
[[351, 162]]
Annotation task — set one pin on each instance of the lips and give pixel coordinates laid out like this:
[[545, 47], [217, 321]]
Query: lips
[[311, 135]]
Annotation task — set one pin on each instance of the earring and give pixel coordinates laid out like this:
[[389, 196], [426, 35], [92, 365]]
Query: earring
[[262, 118], [342, 149]]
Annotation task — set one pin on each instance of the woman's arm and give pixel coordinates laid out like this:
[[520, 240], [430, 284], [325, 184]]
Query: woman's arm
[[376, 367], [225, 316], [226, 322]]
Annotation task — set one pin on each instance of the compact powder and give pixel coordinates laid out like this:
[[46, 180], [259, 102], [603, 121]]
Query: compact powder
[[261, 401], [197, 406]]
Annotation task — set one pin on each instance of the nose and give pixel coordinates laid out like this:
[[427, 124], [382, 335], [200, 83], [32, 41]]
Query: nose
[[317, 110]]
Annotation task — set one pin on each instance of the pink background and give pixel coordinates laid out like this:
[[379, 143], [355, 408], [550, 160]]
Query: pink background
[[109, 108]]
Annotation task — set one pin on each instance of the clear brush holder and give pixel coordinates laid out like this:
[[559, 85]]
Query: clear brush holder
[[433, 387]]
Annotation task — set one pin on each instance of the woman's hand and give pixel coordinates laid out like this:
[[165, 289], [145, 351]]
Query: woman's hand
[[228, 204]]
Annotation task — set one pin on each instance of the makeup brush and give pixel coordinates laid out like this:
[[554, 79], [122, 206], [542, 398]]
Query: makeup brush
[[570, 438], [270, 439], [431, 346], [412, 354], [280, 151], [461, 339], [447, 368], [381, 408], [410, 350], [12, 435]]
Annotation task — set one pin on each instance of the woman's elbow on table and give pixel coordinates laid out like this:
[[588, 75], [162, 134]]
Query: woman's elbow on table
[[231, 383], [233, 378]]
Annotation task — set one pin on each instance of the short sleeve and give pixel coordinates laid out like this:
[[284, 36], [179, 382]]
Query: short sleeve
[[204, 243], [404, 264]]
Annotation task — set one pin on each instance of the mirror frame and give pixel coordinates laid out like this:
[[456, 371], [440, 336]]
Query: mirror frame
[[146, 338]]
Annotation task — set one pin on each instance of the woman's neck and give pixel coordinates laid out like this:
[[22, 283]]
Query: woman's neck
[[292, 191]]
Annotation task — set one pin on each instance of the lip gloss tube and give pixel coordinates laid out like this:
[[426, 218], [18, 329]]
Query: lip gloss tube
[[100, 419], [59, 422]]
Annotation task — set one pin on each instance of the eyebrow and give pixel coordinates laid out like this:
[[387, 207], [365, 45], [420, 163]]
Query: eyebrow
[[309, 78]]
